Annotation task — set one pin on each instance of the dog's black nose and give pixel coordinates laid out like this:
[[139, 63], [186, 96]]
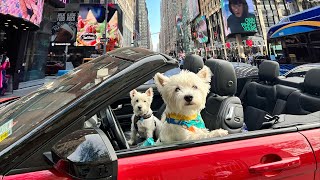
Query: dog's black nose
[[139, 107], [188, 98]]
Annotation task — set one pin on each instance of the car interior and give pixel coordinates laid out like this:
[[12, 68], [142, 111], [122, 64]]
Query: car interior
[[264, 102]]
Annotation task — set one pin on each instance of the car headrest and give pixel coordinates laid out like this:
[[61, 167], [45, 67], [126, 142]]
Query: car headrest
[[193, 63], [224, 80], [269, 70], [311, 82]]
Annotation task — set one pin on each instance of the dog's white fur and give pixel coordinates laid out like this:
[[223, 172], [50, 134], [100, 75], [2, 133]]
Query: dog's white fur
[[173, 91], [141, 103]]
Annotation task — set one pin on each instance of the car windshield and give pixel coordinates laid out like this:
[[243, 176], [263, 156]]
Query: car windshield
[[24, 115], [300, 71]]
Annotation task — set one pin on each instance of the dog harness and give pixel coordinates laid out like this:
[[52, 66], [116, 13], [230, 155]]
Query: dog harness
[[187, 122], [141, 118]]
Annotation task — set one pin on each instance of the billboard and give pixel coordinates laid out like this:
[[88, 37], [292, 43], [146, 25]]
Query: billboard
[[179, 24], [201, 29], [92, 24], [64, 29], [194, 10], [29, 10], [238, 17]]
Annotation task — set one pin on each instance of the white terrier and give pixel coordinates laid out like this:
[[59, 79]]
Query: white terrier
[[144, 123], [185, 96]]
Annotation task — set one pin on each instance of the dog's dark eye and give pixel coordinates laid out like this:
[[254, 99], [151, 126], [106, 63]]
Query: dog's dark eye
[[195, 87], [137, 100], [145, 101], [177, 89]]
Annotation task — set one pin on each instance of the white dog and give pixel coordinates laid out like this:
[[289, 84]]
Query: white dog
[[185, 96], [144, 123]]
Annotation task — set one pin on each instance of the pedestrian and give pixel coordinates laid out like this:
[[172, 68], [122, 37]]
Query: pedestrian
[[250, 59], [5, 64]]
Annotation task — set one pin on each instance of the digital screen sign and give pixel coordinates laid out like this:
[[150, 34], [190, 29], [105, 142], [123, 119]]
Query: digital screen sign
[[238, 17], [194, 10], [201, 29], [29, 10]]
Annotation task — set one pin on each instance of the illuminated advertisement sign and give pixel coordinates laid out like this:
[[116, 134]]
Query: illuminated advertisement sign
[[91, 25], [64, 29], [238, 17], [201, 29], [29, 10]]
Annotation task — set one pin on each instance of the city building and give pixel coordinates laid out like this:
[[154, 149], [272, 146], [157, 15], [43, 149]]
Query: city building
[[170, 9], [144, 29], [128, 9]]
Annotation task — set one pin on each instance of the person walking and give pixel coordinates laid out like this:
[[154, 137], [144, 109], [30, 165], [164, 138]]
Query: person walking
[[5, 64]]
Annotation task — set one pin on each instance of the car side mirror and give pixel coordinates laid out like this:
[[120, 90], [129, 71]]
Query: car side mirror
[[85, 154]]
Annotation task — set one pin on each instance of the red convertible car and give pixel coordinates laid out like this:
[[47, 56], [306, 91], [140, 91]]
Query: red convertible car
[[76, 127]]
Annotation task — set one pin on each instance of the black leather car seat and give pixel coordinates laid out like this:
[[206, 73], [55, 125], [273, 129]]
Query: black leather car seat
[[223, 109], [193, 63], [308, 100], [260, 97]]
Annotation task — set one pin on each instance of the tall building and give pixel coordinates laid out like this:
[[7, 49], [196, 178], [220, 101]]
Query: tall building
[[128, 9], [144, 32], [168, 35]]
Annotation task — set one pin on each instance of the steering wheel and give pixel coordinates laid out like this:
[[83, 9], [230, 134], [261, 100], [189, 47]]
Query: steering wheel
[[112, 125]]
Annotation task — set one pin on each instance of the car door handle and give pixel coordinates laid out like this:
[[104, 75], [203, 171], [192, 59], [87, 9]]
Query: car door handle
[[284, 164]]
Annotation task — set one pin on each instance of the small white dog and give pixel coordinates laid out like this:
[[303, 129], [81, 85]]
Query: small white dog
[[185, 96], [144, 123]]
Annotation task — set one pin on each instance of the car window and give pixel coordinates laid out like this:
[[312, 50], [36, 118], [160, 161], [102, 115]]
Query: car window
[[21, 117]]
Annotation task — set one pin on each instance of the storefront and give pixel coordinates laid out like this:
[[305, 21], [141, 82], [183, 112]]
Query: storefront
[[25, 31]]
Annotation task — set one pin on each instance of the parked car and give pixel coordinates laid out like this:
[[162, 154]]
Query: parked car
[[300, 71], [43, 135], [53, 67]]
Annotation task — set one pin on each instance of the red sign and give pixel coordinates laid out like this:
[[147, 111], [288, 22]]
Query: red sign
[[249, 42], [228, 45]]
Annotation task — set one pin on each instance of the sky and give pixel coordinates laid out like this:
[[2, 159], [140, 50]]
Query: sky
[[154, 20]]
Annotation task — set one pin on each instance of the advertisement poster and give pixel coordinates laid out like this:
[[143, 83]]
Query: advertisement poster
[[238, 17], [91, 26], [179, 24], [30, 10], [201, 29], [64, 30], [194, 10]]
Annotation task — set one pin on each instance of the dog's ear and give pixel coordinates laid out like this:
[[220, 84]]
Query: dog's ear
[[133, 93], [149, 92], [160, 80], [205, 74]]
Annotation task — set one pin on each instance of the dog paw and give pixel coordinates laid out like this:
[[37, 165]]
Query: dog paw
[[222, 132], [131, 142]]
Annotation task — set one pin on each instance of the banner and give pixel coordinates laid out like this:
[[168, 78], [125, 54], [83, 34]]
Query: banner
[[64, 29], [28, 10], [201, 29], [238, 17], [194, 10]]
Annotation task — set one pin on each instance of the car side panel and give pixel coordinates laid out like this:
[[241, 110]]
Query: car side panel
[[229, 160], [313, 137], [51, 174]]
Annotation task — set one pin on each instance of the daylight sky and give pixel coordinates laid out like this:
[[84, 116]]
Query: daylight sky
[[154, 19]]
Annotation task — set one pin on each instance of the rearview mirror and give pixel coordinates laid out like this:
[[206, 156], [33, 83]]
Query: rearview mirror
[[86, 154]]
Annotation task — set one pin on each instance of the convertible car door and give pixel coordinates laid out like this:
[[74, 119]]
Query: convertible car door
[[313, 137], [282, 156]]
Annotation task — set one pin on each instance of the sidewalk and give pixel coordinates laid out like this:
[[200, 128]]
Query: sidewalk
[[27, 87]]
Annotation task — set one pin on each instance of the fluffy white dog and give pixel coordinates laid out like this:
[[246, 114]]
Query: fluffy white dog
[[144, 123], [185, 96]]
